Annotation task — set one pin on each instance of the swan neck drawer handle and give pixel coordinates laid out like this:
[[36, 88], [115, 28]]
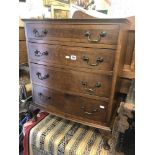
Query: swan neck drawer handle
[[42, 77], [89, 113], [90, 89], [39, 54], [98, 61], [88, 35], [44, 97], [43, 33]]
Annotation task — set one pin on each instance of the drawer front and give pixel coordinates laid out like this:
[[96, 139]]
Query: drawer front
[[75, 105], [72, 81], [102, 59], [88, 33]]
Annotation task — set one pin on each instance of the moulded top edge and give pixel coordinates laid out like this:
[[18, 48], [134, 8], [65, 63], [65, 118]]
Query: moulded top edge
[[107, 20]]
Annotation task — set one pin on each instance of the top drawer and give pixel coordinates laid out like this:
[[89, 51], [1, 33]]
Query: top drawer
[[88, 33]]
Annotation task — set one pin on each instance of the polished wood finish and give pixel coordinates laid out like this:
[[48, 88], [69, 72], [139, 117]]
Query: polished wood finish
[[74, 32], [92, 58], [22, 47], [128, 70], [69, 83], [72, 81], [73, 44], [81, 107], [73, 118]]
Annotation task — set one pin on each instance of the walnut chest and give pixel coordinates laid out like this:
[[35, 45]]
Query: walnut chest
[[75, 65]]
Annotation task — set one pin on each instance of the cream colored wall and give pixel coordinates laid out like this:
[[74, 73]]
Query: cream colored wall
[[122, 8], [118, 8], [101, 5], [32, 8], [35, 8]]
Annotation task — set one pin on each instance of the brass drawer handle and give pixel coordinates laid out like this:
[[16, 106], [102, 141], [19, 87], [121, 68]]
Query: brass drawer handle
[[39, 54], [89, 89], [43, 97], [38, 34], [98, 60], [89, 113], [42, 77], [88, 35]]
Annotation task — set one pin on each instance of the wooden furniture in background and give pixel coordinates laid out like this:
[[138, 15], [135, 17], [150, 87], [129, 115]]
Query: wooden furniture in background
[[129, 64], [128, 70], [22, 47]]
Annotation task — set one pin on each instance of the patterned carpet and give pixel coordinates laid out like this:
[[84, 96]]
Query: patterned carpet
[[57, 136]]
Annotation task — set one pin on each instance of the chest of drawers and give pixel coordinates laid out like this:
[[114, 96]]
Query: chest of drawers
[[75, 65]]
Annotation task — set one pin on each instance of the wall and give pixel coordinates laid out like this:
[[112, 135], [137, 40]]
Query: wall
[[32, 9], [101, 5], [118, 8], [122, 8]]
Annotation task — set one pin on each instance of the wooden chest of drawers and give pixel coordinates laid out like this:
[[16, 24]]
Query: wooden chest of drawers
[[74, 67]]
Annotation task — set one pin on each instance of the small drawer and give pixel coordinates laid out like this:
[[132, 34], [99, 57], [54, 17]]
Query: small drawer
[[83, 33], [82, 107], [92, 58], [71, 80]]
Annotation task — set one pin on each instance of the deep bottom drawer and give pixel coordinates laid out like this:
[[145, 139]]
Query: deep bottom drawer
[[82, 107]]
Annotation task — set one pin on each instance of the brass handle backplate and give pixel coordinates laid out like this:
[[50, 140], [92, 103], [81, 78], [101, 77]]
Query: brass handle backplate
[[89, 113], [98, 61], [42, 77], [39, 54], [90, 90], [88, 35], [43, 33], [43, 97]]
